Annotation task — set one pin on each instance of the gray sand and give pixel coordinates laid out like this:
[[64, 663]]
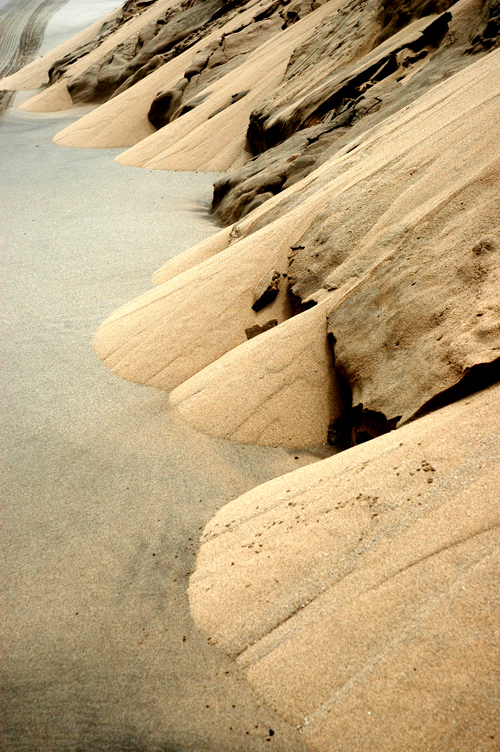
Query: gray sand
[[22, 30], [62, 25], [105, 493]]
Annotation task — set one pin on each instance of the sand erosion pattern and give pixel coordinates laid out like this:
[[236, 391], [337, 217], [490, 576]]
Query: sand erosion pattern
[[352, 297]]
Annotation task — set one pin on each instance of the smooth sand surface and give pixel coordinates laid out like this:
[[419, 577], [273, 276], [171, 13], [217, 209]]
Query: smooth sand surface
[[55, 43], [361, 593], [277, 389], [56, 97], [123, 121], [105, 493], [61, 28], [422, 165]]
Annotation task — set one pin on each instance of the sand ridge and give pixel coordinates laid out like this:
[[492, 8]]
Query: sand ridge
[[35, 75], [57, 97], [128, 111], [396, 161], [218, 143]]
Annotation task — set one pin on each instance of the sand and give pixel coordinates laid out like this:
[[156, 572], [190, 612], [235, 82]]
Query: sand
[[56, 97], [22, 25], [122, 121], [200, 310], [219, 143], [361, 593], [357, 595], [105, 492], [34, 75]]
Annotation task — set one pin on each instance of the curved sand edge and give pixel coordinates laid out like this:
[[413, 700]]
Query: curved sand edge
[[183, 325], [193, 256], [278, 389], [360, 589], [219, 143], [54, 97], [123, 121], [35, 75]]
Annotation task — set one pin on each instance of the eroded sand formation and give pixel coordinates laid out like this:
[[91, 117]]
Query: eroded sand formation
[[355, 293]]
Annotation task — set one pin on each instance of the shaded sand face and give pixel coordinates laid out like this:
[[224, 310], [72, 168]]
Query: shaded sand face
[[105, 495]]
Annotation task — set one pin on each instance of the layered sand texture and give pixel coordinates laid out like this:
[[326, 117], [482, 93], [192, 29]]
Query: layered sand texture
[[419, 194], [123, 120], [361, 593], [35, 75], [355, 292], [57, 97], [219, 143]]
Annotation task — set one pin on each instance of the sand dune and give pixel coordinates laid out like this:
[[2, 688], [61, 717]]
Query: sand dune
[[123, 121], [360, 593], [410, 165], [35, 75], [218, 143]]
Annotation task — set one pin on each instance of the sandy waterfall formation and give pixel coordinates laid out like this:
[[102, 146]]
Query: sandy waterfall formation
[[352, 297]]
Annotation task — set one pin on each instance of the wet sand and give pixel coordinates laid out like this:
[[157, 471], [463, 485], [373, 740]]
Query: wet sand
[[105, 493]]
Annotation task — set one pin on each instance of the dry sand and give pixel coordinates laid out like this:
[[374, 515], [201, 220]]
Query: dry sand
[[361, 593], [202, 306], [35, 75], [57, 97], [105, 493], [219, 143], [123, 121]]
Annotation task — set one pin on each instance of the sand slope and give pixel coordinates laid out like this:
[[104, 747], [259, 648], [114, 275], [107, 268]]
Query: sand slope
[[35, 75], [419, 195], [123, 121], [219, 143], [277, 389], [170, 333], [361, 593], [56, 97]]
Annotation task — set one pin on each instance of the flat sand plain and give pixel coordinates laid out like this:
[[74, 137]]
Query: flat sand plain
[[105, 495]]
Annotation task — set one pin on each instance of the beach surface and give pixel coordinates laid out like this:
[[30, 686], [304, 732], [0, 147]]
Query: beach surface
[[105, 493]]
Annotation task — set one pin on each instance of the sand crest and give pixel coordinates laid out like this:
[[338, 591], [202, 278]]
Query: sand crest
[[35, 75], [277, 389], [218, 143]]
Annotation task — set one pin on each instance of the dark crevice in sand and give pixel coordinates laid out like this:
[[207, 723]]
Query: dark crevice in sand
[[475, 379]]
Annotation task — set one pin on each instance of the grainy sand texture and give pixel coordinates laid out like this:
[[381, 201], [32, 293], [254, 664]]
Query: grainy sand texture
[[278, 222], [105, 494]]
